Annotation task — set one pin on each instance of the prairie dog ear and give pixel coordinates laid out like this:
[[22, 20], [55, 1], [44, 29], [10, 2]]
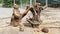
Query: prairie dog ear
[[37, 4], [27, 7], [15, 6]]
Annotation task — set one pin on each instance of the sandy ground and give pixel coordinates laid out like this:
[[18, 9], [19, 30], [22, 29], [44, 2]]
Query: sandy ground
[[49, 16]]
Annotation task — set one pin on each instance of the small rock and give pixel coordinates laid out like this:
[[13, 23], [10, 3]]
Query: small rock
[[45, 30]]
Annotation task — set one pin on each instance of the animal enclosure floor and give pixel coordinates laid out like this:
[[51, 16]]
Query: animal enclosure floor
[[49, 16]]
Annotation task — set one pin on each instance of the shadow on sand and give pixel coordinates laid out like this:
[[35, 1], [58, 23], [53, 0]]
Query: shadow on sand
[[27, 24]]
